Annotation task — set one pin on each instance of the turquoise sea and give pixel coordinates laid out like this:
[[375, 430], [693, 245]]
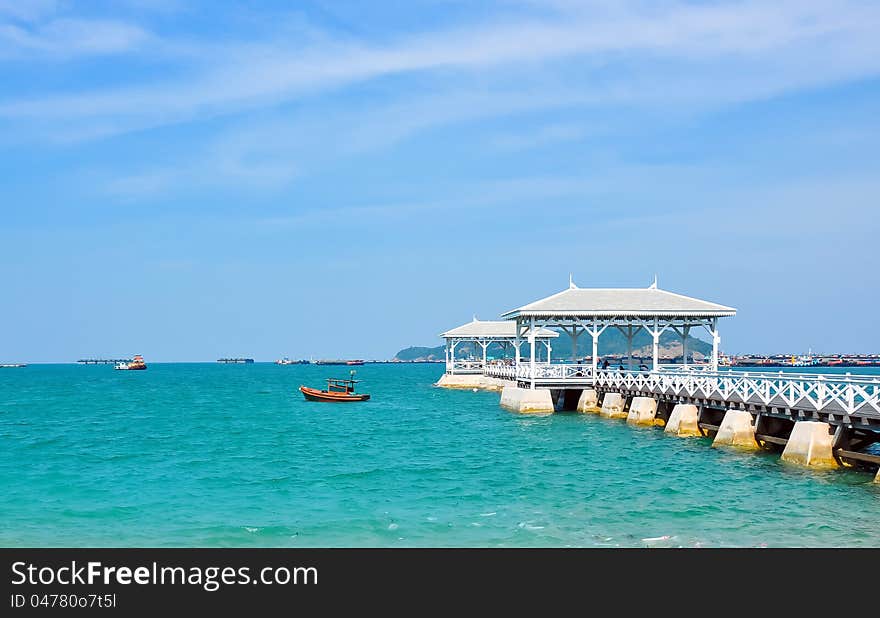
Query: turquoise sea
[[203, 455]]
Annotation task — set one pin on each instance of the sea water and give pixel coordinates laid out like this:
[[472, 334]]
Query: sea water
[[205, 455]]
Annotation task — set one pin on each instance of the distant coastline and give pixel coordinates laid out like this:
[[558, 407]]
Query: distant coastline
[[436, 355], [424, 354]]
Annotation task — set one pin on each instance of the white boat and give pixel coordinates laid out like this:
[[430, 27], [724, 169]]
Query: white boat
[[136, 363], [804, 361]]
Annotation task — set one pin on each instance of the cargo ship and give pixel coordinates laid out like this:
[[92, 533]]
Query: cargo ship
[[235, 360], [337, 362]]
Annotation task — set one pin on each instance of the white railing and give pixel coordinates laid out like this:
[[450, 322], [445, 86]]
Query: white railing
[[543, 372], [505, 372], [830, 393], [559, 373], [464, 366]]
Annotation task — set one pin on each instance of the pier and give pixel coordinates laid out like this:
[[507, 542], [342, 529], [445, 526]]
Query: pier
[[819, 420]]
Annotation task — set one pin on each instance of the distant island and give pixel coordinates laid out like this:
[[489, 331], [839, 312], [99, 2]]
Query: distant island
[[611, 343], [421, 354]]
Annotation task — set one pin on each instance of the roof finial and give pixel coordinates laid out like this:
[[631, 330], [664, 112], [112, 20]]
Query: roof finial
[[571, 285], [475, 317], [653, 286]]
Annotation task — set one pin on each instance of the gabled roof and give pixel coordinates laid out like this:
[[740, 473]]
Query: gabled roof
[[488, 329], [619, 302]]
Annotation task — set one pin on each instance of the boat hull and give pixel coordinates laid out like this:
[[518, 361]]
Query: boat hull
[[313, 394]]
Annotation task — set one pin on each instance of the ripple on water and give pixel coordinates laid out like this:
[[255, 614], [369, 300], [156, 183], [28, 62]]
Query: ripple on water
[[187, 455]]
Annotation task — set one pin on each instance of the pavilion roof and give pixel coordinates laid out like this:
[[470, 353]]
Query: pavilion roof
[[489, 329], [619, 302]]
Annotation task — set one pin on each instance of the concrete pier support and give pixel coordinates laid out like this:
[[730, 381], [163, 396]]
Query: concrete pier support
[[683, 421], [471, 381], [613, 405], [810, 445], [642, 411], [526, 400], [496, 384], [736, 430], [588, 401], [466, 381]]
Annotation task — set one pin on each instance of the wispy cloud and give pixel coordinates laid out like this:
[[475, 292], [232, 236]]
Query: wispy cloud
[[549, 134], [805, 43], [70, 38], [229, 169], [602, 54], [27, 10], [270, 153]]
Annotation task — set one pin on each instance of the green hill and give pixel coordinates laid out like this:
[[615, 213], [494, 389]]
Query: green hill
[[612, 342], [421, 353]]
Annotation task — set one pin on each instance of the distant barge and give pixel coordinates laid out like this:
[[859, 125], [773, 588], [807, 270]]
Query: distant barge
[[103, 361], [235, 360], [338, 362]]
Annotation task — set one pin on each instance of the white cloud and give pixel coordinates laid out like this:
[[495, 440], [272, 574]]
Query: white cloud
[[70, 38], [27, 10], [796, 44], [549, 134], [240, 167], [619, 54]]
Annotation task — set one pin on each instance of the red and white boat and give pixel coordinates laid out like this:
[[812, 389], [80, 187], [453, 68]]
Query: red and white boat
[[134, 364]]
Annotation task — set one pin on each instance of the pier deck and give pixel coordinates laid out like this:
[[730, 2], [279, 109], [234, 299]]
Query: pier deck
[[834, 398]]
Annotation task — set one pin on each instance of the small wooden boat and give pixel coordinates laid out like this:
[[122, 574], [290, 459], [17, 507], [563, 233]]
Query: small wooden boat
[[338, 390]]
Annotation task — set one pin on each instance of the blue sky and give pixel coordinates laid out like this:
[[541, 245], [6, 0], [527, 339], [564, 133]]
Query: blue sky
[[193, 180]]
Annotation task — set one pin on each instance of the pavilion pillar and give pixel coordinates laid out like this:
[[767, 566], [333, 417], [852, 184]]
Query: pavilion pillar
[[452, 355], [595, 331], [516, 344], [532, 351], [655, 331], [484, 345], [656, 351], [629, 347], [595, 355], [448, 366], [574, 340], [716, 342], [547, 345], [684, 345]]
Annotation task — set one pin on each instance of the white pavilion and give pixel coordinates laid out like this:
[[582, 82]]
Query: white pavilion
[[482, 334], [576, 311]]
